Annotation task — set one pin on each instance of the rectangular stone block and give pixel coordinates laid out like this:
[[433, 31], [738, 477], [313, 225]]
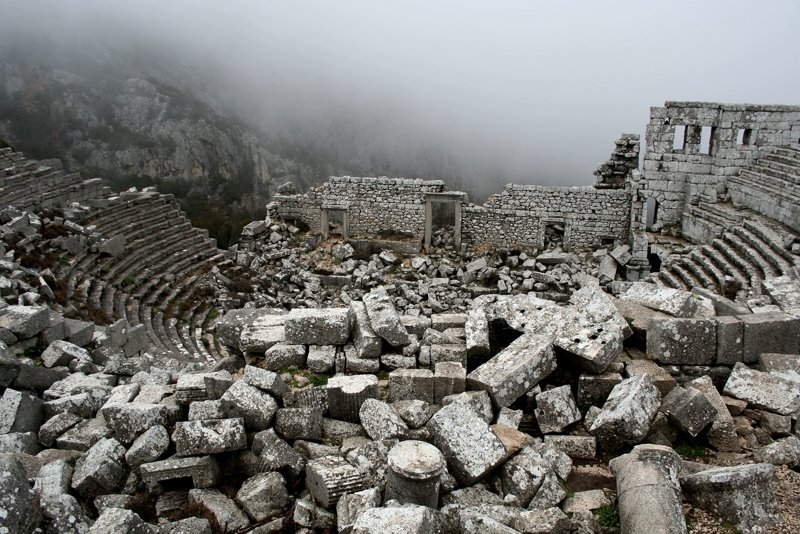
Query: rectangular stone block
[[769, 332], [411, 384], [449, 353], [367, 342], [210, 436], [449, 378], [515, 369], [318, 326], [730, 340], [682, 341]]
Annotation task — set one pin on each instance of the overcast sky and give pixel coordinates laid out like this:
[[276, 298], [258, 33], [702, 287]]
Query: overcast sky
[[544, 86]]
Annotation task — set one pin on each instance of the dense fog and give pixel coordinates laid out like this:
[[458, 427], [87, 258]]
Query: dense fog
[[529, 92]]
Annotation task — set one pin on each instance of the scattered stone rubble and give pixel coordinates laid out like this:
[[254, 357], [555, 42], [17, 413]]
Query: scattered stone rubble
[[404, 426], [360, 386]]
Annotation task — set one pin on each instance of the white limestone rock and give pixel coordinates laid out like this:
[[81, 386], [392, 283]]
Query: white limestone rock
[[318, 326], [770, 391], [556, 410], [515, 369], [470, 447], [384, 318], [211, 436], [628, 413], [381, 421]]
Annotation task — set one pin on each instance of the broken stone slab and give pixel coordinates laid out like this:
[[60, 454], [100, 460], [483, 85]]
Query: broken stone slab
[[20, 412], [203, 470], [785, 291], [83, 405], [127, 421], [24, 321], [19, 442], [722, 433], [415, 413], [410, 384], [228, 516], [648, 491], [330, 477], [210, 436], [674, 302], [409, 519], [371, 459], [769, 332], [101, 469], [743, 494], [256, 407], [148, 447], [262, 333], [548, 521], [299, 423], [786, 364], [784, 451], [55, 426], [578, 447], [318, 326], [17, 500], [769, 391], [321, 358], [448, 352], [471, 449], [689, 409], [628, 413], [682, 341], [523, 475], [284, 355], [730, 340], [515, 369], [597, 304], [265, 380], [230, 326], [367, 342], [202, 386], [381, 421], [660, 376], [474, 521], [384, 318], [346, 394], [448, 378], [556, 410], [478, 401], [722, 306], [585, 500], [83, 435], [476, 329], [264, 496], [61, 353], [307, 514], [120, 521], [350, 506]]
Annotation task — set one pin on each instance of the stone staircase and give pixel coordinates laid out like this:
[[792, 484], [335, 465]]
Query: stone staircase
[[161, 279], [771, 186], [741, 248]]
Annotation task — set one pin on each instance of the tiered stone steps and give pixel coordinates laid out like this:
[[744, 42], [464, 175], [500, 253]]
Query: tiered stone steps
[[771, 186], [160, 279], [742, 245]]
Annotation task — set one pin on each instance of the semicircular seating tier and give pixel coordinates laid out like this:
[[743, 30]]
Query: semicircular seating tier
[[737, 243], [132, 255]]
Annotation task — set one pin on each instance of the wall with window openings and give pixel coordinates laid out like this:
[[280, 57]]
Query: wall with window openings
[[693, 147]]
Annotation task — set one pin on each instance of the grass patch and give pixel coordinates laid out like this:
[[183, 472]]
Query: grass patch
[[690, 450], [608, 516]]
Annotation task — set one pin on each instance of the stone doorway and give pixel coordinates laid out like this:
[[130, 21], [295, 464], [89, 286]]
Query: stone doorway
[[333, 221], [455, 199]]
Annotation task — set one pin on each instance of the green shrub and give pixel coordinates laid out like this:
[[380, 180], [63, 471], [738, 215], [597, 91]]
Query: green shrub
[[608, 516]]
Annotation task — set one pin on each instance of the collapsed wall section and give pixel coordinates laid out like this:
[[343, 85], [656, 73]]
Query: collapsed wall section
[[529, 215], [693, 147]]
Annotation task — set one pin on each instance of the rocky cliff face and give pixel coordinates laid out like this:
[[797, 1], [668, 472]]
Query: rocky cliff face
[[124, 127]]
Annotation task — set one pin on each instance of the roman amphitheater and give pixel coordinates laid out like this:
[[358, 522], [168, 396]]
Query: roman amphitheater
[[382, 355]]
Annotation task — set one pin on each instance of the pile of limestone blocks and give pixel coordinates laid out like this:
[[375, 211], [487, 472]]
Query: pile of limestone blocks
[[454, 423]]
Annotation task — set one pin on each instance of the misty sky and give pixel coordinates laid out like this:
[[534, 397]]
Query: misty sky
[[544, 87]]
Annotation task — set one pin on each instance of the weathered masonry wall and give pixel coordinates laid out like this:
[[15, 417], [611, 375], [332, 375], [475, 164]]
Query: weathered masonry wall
[[518, 216], [372, 205], [693, 147]]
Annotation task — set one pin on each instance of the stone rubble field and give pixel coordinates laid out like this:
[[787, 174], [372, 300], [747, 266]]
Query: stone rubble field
[[618, 406]]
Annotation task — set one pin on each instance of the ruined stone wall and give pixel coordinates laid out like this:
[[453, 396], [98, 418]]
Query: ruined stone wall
[[687, 169], [373, 205], [519, 215]]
